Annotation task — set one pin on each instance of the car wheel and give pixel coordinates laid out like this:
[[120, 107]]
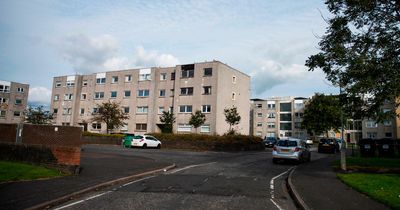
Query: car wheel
[[159, 146], [144, 146], [274, 160], [319, 150]]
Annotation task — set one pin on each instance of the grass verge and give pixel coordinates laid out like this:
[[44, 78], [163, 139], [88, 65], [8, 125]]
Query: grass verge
[[14, 171], [384, 188], [371, 162]]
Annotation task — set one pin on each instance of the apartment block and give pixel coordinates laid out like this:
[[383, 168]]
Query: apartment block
[[278, 117], [13, 101], [145, 93], [387, 129]]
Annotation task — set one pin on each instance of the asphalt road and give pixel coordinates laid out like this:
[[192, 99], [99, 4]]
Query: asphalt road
[[202, 180]]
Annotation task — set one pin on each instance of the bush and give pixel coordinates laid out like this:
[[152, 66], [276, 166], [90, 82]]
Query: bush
[[86, 133], [210, 142]]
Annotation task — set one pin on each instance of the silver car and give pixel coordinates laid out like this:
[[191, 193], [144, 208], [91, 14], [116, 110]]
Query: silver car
[[291, 149]]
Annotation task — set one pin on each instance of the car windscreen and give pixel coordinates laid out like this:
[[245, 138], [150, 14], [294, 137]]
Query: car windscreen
[[137, 137], [287, 143], [326, 141]]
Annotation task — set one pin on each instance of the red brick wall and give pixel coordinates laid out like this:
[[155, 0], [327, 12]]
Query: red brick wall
[[67, 155], [8, 132]]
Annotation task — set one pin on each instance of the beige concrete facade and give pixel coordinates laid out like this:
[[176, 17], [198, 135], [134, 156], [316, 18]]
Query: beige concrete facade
[[387, 129], [13, 101], [278, 117], [144, 93]]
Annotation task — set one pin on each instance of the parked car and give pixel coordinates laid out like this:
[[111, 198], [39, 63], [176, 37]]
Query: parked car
[[145, 141], [269, 141], [328, 145], [309, 142], [291, 149]]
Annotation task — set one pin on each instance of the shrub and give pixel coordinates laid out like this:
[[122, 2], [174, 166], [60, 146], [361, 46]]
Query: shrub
[[86, 133]]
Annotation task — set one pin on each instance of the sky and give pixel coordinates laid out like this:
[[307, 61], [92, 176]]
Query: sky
[[269, 40]]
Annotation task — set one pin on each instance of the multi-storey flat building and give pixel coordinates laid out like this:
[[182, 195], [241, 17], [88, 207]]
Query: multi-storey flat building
[[13, 101], [144, 94], [387, 129], [278, 117]]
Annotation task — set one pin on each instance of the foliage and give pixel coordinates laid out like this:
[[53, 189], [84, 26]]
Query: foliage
[[38, 115], [322, 113], [232, 117], [168, 119], [14, 171], [197, 119], [384, 188], [86, 133], [111, 114], [360, 52]]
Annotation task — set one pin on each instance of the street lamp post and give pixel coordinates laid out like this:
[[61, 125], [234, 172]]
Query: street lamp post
[[343, 145]]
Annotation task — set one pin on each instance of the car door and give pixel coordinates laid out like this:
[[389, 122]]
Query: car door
[[151, 140]]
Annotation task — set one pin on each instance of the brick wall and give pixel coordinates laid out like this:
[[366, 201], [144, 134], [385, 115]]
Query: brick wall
[[8, 132]]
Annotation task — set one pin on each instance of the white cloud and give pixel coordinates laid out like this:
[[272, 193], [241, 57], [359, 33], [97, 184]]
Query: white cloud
[[39, 95], [153, 58]]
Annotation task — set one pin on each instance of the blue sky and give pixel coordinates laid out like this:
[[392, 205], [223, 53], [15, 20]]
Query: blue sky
[[269, 40]]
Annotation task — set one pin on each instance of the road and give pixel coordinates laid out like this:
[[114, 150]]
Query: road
[[202, 180]]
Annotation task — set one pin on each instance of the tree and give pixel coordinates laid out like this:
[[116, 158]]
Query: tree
[[197, 119], [232, 117], [360, 52], [38, 116], [111, 114], [322, 113], [168, 119]]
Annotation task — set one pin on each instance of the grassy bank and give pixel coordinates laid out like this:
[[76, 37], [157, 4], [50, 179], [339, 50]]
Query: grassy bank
[[384, 188], [14, 171], [371, 163]]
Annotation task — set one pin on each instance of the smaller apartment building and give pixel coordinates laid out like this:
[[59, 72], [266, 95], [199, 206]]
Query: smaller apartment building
[[387, 129], [144, 94], [13, 101], [278, 117]]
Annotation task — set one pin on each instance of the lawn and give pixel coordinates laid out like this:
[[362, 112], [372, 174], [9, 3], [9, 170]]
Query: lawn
[[14, 171], [371, 162], [384, 188]]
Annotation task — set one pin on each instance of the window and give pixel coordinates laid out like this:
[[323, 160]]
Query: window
[[18, 101], [58, 84], [65, 124], [387, 123], [271, 105], [188, 73], [207, 90], [205, 129], [83, 96], [125, 110], [55, 111], [100, 81], [259, 114], [68, 97], [185, 109], [96, 126], [113, 94], [160, 109], [67, 111], [388, 135], [56, 97], [286, 107], [82, 111], [297, 125], [99, 95], [258, 133], [143, 93], [299, 114], [142, 109], [271, 115], [206, 108], [96, 110], [71, 83], [163, 76], [286, 126], [84, 83], [285, 117], [124, 127], [271, 125], [143, 77], [207, 72], [173, 76], [371, 124], [233, 96], [234, 79], [271, 134], [114, 79], [17, 113], [184, 128], [162, 93], [3, 100], [127, 93], [2, 113], [20, 90], [259, 124], [187, 91], [128, 78], [141, 127], [371, 135], [259, 105], [298, 106]]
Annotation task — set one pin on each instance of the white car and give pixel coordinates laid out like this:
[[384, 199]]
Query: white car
[[291, 149], [145, 141]]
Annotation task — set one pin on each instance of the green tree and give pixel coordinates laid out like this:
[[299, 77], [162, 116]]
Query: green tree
[[322, 113], [111, 114], [38, 116], [197, 119], [232, 117], [168, 119], [360, 52]]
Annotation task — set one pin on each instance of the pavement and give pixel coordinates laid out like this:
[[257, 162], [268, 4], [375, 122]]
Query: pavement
[[99, 170], [316, 186]]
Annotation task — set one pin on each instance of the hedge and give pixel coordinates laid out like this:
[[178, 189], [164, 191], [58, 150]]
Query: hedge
[[86, 133]]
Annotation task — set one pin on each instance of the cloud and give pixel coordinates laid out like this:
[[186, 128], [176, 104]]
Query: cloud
[[272, 73], [153, 58], [39, 95]]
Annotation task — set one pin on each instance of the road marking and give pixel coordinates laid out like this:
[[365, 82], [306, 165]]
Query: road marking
[[132, 182], [83, 200], [271, 186], [188, 167]]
